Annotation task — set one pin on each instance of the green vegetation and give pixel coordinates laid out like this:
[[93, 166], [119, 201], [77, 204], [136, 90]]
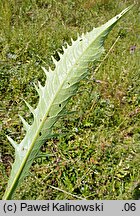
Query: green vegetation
[[96, 155]]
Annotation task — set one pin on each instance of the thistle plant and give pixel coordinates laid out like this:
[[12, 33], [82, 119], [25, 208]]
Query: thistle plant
[[61, 84]]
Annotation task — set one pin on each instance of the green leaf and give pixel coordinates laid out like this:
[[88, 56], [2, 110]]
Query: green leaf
[[61, 84]]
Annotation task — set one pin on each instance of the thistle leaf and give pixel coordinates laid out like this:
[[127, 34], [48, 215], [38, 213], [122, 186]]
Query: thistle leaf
[[61, 84]]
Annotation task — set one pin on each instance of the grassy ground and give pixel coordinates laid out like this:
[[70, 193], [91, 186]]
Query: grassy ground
[[98, 157]]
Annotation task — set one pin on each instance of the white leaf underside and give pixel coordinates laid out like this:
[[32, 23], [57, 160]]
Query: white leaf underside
[[61, 84]]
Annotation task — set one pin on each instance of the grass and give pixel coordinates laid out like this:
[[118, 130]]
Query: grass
[[97, 154]]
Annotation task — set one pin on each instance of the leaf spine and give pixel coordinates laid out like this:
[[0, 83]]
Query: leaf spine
[[30, 107], [40, 86], [60, 55], [54, 60], [25, 123], [14, 144], [37, 89], [45, 71]]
